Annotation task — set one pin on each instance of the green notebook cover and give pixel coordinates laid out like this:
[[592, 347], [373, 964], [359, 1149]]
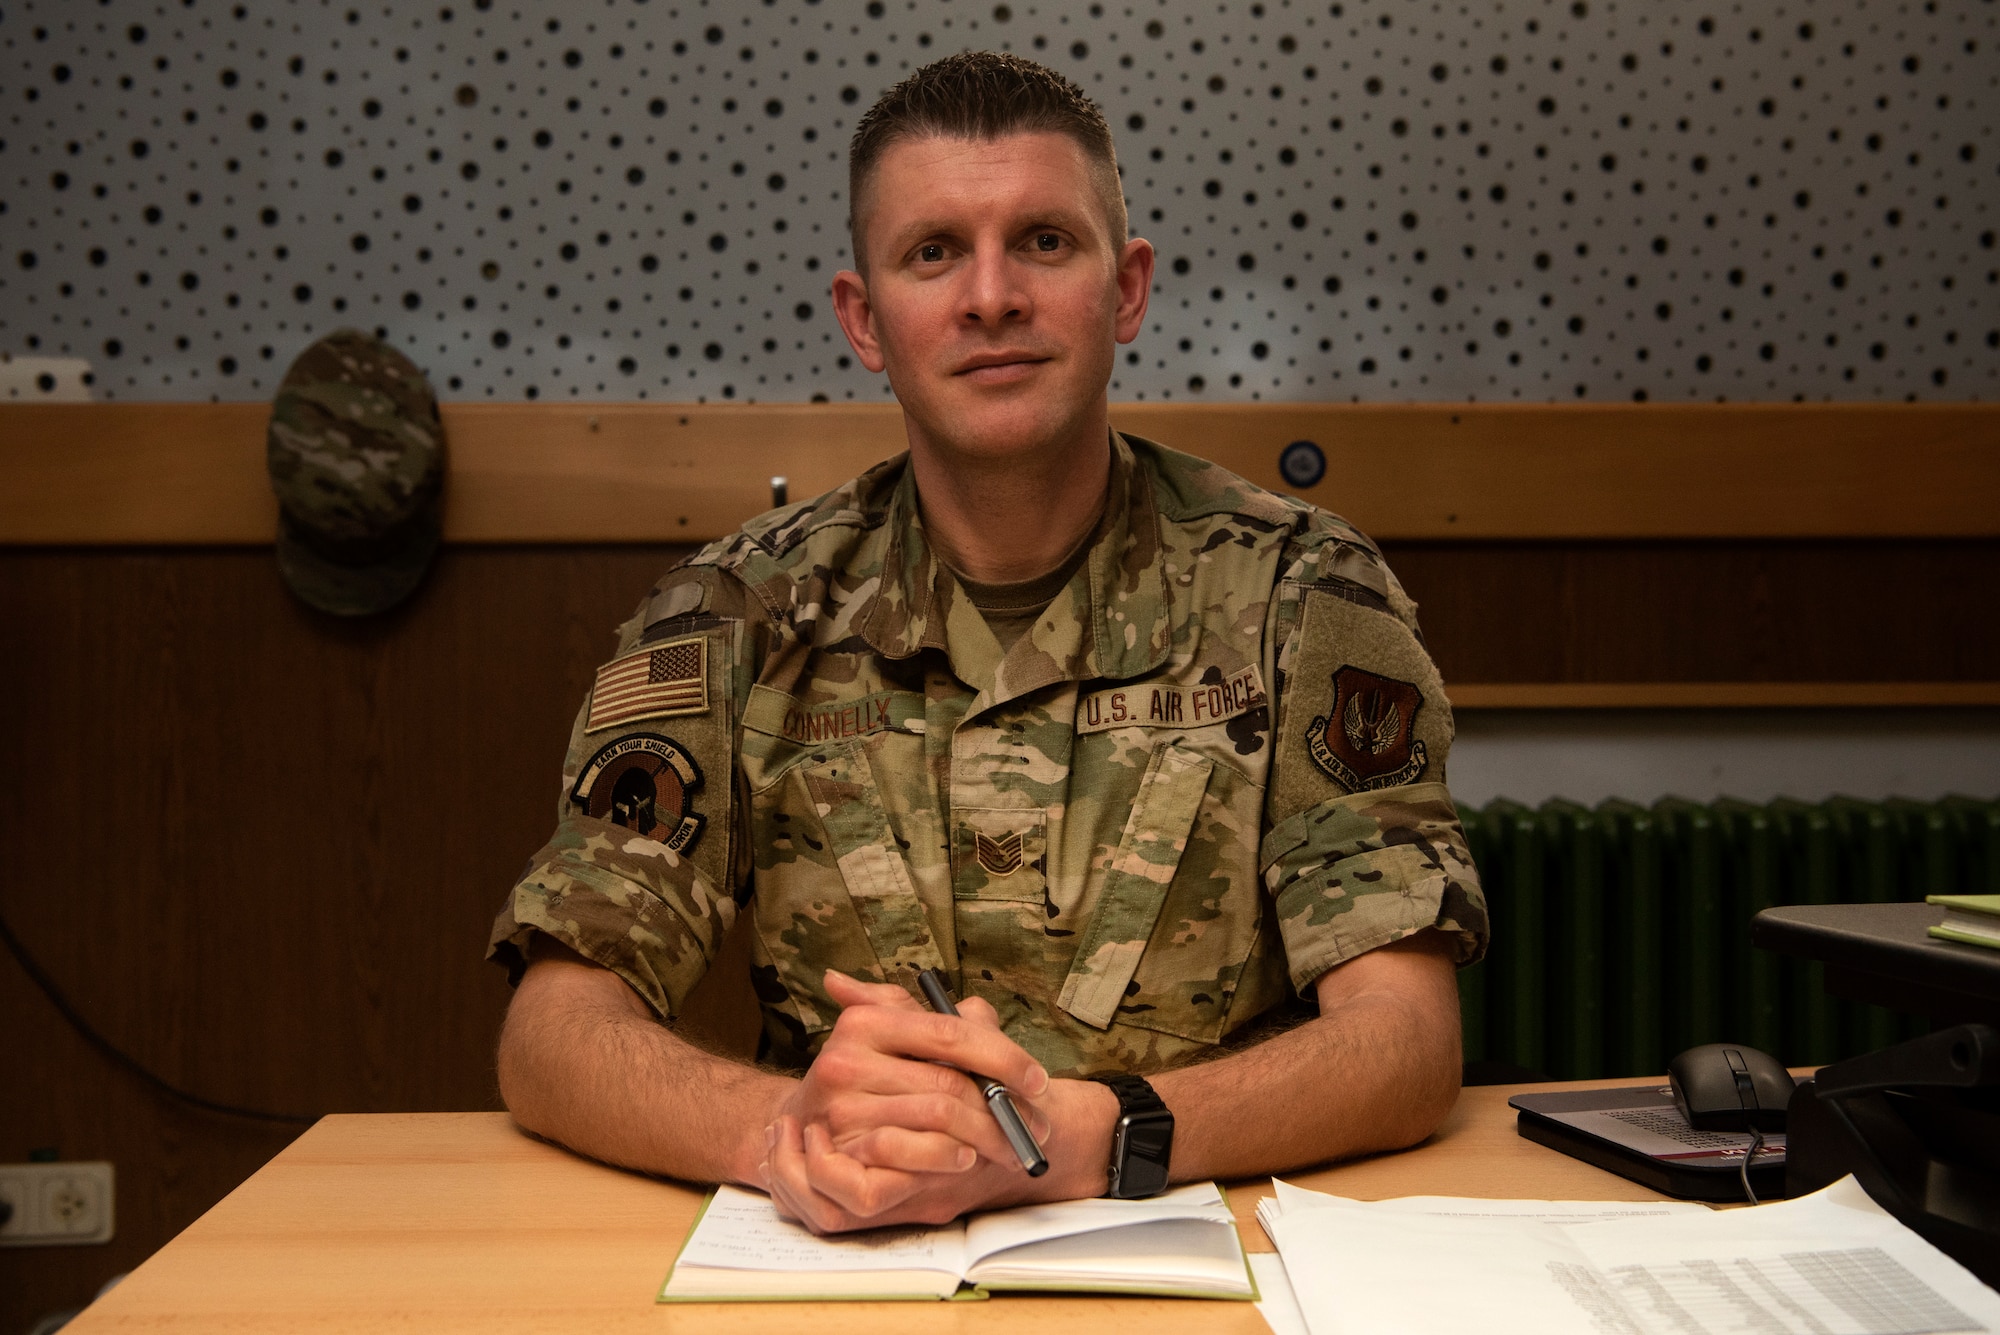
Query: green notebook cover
[[1987, 904], [1974, 920], [1965, 938]]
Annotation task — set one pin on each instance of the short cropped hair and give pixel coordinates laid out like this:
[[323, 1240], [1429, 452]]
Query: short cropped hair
[[983, 95]]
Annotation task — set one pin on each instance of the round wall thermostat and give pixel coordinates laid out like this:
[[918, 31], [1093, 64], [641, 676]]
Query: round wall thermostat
[[1302, 464]]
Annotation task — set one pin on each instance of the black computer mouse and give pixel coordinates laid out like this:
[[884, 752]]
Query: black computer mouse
[[1730, 1087]]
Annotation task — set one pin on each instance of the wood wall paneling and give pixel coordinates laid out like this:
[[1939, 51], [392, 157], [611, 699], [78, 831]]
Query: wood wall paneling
[[1811, 613], [168, 473], [260, 849]]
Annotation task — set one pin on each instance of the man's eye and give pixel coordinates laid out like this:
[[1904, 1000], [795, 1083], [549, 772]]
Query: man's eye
[[1048, 241], [931, 254]]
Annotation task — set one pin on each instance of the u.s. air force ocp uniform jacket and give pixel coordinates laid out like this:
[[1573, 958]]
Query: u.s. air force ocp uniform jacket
[[1212, 770]]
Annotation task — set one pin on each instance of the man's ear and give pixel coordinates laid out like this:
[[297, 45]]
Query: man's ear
[[1135, 287], [857, 318]]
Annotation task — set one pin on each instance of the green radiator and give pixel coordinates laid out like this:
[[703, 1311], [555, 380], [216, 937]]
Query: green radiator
[[1621, 934]]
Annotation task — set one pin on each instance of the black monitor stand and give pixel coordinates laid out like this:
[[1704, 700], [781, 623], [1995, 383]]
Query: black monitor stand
[[1918, 1123]]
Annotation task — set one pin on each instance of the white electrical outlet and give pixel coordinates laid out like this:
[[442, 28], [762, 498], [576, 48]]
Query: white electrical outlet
[[56, 1204]]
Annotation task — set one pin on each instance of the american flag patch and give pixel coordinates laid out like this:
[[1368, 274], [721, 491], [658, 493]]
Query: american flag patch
[[655, 682]]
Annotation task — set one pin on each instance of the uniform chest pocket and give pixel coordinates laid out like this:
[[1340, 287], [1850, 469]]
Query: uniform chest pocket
[[871, 859], [1136, 884], [834, 888]]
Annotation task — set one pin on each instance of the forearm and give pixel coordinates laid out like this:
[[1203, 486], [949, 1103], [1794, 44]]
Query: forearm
[[1377, 1070], [583, 1062]]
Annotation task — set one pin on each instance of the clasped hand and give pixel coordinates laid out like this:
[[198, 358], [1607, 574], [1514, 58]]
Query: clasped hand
[[880, 1132]]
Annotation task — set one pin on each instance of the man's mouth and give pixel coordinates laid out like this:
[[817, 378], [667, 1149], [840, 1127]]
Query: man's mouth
[[997, 364]]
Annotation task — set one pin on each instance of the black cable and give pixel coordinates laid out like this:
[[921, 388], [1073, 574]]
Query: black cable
[[1756, 1144], [115, 1055]]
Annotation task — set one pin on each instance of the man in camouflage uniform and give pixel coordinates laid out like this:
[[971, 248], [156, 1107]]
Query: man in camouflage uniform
[[1137, 753]]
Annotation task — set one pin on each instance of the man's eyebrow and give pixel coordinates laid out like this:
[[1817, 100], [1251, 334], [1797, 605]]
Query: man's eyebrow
[[1067, 219], [909, 235]]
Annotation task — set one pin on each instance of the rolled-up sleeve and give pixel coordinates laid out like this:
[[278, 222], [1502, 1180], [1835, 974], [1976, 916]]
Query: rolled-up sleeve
[[643, 871], [1363, 844], [1360, 871]]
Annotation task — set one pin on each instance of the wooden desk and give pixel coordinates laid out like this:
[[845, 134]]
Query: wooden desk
[[443, 1222]]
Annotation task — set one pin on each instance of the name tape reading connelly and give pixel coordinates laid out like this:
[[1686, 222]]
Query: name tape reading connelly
[[820, 725], [1168, 705], [776, 714]]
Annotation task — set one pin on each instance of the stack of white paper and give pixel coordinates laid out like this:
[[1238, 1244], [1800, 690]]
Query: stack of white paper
[[1833, 1263]]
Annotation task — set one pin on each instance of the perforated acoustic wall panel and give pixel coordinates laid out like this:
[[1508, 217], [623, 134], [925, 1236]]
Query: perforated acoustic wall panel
[[618, 199]]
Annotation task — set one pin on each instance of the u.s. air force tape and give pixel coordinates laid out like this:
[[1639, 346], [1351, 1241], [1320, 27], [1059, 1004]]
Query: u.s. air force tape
[[1161, 704]]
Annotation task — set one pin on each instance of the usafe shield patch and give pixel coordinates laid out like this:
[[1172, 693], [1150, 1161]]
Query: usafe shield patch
[[643, 782], [1158, 704], [1368, 740], [658, 681]]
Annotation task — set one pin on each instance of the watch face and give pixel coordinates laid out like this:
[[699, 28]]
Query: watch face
[[1146, 1146]]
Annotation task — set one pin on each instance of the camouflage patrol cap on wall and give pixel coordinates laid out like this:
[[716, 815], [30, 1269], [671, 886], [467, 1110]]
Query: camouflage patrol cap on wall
[[356, 457]]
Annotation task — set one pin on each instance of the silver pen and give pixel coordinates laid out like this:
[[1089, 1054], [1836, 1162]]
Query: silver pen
[[932, 981]]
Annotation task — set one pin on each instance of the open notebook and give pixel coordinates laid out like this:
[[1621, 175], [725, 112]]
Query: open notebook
[[1183, 1243]]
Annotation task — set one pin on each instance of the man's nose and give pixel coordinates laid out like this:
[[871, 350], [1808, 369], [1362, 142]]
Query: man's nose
[[994, 292]]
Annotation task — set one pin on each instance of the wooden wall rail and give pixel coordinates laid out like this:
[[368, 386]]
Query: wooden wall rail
[[130, 474], [1570, 695]]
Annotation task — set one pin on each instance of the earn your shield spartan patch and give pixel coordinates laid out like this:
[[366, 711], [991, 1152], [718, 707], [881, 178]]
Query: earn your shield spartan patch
[[1368, 739], [643, 782]]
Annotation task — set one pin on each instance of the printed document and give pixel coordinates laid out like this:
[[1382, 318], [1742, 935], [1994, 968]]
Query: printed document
[[1832, 1263]]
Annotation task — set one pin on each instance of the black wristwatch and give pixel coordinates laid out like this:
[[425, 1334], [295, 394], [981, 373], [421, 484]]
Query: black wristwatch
[[1142, 1140]]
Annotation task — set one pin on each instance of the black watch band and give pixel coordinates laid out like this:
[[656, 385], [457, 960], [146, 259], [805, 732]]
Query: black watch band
[[1142, 1139]]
